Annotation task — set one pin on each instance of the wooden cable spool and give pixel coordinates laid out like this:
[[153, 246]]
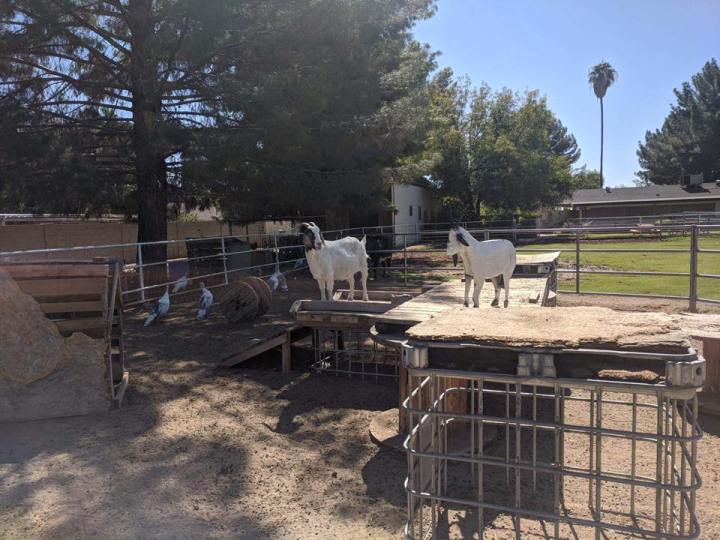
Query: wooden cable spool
[[239, 302], [262, 289]]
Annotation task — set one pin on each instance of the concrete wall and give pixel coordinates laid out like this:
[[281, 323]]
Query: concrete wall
[[415, 207]]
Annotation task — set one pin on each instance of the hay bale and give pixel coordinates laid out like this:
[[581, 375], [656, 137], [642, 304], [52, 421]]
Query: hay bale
[[239, 302], [262, 289]]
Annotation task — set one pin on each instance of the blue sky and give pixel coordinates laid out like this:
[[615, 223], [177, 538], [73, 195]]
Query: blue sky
[[549, 45]]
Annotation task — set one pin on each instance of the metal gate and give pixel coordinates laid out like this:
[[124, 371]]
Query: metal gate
[[569, 458]]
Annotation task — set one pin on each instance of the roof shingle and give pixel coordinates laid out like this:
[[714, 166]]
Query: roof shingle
[[708, 190]]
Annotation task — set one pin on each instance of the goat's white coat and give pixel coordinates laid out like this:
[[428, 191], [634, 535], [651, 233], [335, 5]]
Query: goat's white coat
[[491, 259], [340, 260]]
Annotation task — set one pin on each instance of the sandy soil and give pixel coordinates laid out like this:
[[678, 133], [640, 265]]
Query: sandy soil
[[203, 452]]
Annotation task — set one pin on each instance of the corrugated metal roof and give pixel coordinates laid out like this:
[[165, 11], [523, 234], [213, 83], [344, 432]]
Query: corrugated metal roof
[[674, 192]]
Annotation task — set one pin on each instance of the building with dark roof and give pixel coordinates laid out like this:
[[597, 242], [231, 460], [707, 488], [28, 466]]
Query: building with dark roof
[[645, 201]]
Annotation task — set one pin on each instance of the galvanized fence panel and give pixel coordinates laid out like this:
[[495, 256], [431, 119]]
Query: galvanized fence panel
[[218, 268]]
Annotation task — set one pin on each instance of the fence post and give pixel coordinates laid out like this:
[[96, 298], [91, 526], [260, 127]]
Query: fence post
[[514, 226], [692, 307], [405, 258], [487, 234], [140, 272], [577, 262], [224, 258]]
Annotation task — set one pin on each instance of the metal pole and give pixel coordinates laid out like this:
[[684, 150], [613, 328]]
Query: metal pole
[[140, 272], [224, 259], [693, 268], [405, 258], [577, 263]]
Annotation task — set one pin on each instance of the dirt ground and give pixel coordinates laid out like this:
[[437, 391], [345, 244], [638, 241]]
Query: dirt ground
[[199, 451]]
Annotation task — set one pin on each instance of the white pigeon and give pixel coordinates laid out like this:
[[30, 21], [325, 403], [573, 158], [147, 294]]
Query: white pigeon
[[160, 309], [181, 284], [206, 300], [277, 279]]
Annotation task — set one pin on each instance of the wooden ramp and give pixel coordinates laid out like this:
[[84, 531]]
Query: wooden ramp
[[269, 337]]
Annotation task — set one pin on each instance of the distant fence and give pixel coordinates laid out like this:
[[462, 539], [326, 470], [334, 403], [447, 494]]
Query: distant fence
[[684, 218], [216, 260]]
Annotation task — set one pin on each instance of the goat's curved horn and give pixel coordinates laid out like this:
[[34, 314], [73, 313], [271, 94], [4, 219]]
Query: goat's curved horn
[[303, 227]]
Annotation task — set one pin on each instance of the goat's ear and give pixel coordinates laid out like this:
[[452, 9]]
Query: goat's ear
[[304, 227], [461, 239]]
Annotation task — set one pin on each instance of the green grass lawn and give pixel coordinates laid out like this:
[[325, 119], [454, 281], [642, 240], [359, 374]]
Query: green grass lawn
[[708, 263]]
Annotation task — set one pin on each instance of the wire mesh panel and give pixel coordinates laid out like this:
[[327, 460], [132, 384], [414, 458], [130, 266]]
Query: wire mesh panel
[[353, 353], [493, 455]]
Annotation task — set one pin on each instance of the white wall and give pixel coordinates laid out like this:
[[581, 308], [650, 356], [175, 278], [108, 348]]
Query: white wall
[[405, 196]]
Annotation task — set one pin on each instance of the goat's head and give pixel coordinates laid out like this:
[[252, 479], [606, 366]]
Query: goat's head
[[456, 242], [312, 237]]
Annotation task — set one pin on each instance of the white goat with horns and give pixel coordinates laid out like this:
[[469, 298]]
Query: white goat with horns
[[331, 260], [492, 259]]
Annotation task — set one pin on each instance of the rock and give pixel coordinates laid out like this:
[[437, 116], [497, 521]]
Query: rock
[[43, 374], [31, 347]]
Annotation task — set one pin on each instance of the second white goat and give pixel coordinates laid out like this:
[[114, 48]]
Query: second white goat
[[492, 259]]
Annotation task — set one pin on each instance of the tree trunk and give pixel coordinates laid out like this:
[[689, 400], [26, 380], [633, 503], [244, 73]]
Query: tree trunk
[[150, 166], [602, 142]]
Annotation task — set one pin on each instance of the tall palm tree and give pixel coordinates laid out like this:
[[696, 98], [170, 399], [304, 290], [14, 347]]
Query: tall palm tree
[[601, 77]]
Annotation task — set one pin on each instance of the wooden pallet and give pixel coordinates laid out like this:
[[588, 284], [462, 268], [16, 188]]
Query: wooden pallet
[[81, 296]]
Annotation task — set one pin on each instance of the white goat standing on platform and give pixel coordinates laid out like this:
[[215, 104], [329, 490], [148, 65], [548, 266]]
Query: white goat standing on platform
[[331, 260], [491, 259]]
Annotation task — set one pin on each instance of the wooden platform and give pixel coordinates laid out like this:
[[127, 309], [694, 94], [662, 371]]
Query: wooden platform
[[522, 291]]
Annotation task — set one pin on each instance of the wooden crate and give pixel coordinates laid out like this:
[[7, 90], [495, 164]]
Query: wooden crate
[[81, 296]]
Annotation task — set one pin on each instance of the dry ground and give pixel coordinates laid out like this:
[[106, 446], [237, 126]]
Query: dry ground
[[203, 452]]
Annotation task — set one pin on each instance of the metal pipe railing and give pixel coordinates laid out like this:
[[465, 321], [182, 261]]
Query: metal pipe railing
[[571, 235]]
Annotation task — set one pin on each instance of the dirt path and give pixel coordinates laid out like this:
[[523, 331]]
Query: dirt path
[[201, 452]]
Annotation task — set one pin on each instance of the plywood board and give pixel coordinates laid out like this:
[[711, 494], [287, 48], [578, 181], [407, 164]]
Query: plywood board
[[557, 328], [449, 295], [537, 258]]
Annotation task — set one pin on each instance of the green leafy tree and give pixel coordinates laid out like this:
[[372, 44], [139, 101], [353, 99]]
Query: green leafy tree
[[329, 120], [497, 152], [583, 178], [601, 77], [689, 140]]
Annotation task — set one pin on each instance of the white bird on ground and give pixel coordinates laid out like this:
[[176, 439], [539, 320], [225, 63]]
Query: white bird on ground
[[160, 309], [206, 300], [181, 284], [277, 279]]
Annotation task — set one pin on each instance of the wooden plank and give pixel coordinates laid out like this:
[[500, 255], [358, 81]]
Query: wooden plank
[[524, 259], [711, 353], [48, 288], [53, 270], [287, 353], [345, 306], [254, 350], [120, 389], [81, 325], [73, 307]]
